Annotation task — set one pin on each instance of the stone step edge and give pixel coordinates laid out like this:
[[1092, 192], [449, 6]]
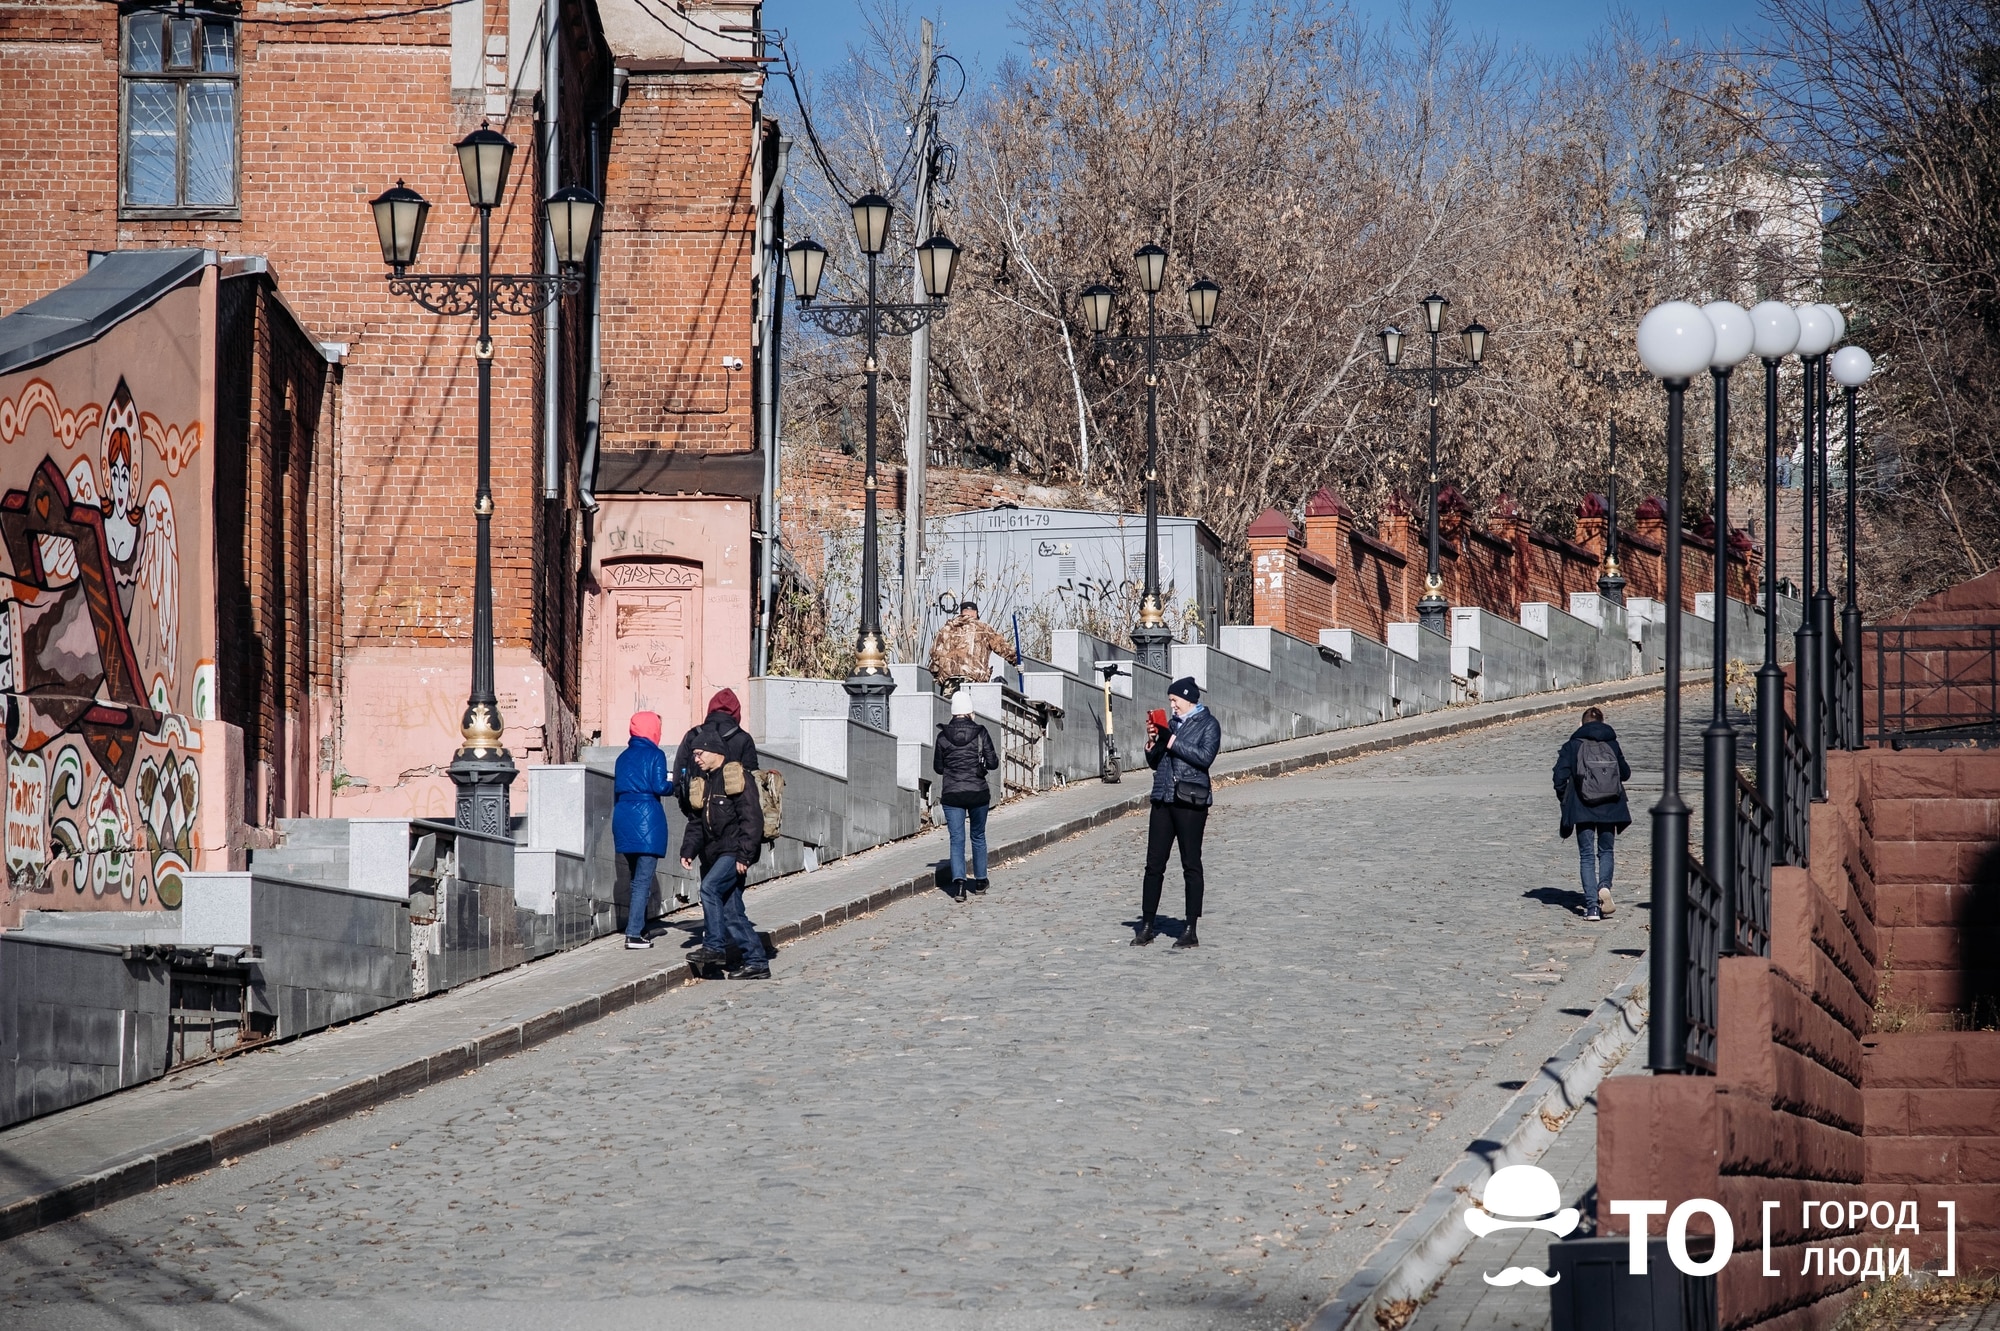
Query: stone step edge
[[1420, 1250], [178, 1158]]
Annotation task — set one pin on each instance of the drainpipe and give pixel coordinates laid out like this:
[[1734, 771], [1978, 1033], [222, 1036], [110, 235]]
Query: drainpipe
[[552, 316], [767, 374], [593, 402]]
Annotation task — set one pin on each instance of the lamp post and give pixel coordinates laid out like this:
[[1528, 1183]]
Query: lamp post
[[1823, 602], [869, 687], [1733, 339], [1151, 635], [482, 769], [1676, 342], [1851, 367], [1815, 336], [1774, 336], [1433, 611], [1610, 582]]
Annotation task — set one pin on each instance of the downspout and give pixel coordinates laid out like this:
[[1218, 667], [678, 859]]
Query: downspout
[[767, 374], [593, 402], [552, 316]]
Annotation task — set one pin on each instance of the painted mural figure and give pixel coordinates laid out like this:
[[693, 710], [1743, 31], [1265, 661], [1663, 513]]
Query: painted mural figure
[[90, 653]]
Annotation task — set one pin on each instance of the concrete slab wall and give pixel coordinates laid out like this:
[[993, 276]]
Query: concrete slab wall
[[1513, 660], [327, 954], [77, 1020]]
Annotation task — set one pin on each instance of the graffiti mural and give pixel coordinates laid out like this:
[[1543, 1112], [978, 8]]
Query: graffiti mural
[[103, 786]]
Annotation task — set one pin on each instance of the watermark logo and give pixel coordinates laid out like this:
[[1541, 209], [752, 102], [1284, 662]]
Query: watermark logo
[[1521, 1197]]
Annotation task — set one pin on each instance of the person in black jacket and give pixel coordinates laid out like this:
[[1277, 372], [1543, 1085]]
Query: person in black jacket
[[1179, 754], [1596, 823], [725, 831], [963, 754]]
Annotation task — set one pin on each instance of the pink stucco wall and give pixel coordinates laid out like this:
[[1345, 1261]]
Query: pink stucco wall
[[673, 576]]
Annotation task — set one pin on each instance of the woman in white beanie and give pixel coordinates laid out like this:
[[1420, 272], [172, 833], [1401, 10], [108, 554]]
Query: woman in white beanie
[[963, 754]]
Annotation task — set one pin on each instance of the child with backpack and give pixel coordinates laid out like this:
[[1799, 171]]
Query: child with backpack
[[1590, 778]]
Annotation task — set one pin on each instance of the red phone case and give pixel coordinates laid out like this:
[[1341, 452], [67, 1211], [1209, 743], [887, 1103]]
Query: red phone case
[[1158, 717]]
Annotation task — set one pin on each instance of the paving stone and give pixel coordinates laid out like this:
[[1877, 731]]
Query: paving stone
[[997, 1106]]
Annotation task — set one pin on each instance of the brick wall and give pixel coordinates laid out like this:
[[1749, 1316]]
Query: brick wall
[[270, 606], [679, 255], [1336, 575], [1809, 1102]]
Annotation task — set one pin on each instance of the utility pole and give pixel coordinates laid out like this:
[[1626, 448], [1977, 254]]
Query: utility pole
[[916, 443]]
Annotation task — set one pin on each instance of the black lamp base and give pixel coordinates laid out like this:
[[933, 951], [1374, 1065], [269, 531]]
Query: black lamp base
[[1149, 646], [484, 783], [868, 697], [1612, 588], [1434, 613]]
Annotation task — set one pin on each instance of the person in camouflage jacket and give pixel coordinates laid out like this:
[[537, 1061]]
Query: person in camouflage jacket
[[962, 648]]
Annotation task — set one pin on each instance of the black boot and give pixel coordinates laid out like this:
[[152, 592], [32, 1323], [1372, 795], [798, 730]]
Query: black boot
[[1147, 933], [958, 890], [976, 885], [1187, 938]]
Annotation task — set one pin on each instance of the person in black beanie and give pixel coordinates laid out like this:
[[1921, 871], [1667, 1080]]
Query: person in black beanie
[[1179, 754]]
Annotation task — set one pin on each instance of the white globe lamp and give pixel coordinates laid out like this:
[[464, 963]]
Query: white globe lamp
[[1734, 334], [1774, 330], [1815, 331], [1852, 367], [1676, 341]]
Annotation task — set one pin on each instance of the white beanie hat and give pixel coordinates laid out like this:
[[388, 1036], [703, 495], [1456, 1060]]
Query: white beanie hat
[[961, 703]]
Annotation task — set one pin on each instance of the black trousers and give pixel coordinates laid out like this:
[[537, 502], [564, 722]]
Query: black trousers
[[1172, 823]]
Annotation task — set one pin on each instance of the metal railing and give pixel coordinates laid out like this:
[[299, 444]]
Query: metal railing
[[1797, 767], [1847, 696], [1025, 724], [1935, 684], [1756, 855], [1704, 939]]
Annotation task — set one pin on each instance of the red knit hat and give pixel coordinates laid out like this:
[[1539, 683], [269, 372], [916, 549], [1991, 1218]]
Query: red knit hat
[[725, 701], [646, 725]]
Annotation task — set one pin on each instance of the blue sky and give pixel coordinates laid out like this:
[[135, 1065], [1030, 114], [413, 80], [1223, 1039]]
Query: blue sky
[[977, 31]]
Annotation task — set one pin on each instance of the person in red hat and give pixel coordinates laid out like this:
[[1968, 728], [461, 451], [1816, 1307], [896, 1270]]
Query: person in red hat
[[717, 782], [638, 819]]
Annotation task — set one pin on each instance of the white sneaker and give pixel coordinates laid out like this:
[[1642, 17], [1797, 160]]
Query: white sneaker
[[638, 944], [1604, 902]]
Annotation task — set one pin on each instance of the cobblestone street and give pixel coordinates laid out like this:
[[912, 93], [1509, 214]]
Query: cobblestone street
[[1000, 1108]]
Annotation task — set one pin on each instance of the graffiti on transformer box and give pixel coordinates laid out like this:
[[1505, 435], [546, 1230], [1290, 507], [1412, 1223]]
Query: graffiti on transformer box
[[103, 791]]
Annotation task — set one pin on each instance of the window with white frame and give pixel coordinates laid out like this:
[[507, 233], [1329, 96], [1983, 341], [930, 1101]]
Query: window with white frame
[[179, 109]]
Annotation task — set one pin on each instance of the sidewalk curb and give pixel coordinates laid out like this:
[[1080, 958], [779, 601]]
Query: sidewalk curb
[[178, 1157], [1420, 1249]]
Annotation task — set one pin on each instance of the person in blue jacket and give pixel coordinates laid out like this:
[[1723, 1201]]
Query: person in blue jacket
[[1597, 821], [638, 819]]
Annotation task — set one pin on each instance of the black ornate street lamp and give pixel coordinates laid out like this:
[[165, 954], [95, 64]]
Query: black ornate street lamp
[[1774, 336], [1150, 636], [1823, 602], [1851, 368], [1433, 611], [1815, 337], [869, 687], [1610, 582], [1734, 335], [482, 768], [1676, 342]]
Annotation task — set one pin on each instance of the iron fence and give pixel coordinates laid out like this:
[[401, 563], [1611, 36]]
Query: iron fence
[[1935, 684], [1756, 854], [1704, 936], [1797, 767]]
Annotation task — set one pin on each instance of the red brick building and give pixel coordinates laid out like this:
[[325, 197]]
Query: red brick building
[[624, 482]]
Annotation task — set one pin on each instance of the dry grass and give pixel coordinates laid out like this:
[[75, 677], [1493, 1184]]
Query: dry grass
[[1906, 1302]]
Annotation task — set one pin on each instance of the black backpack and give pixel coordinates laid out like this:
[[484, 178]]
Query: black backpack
[[1597, 779]]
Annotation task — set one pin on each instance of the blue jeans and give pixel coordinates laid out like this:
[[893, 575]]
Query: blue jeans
[[1594, 845], [643, 867], [725, 924], [955, 820]]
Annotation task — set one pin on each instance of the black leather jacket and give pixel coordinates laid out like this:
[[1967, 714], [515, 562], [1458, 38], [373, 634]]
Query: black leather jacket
[[1182, 771]]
